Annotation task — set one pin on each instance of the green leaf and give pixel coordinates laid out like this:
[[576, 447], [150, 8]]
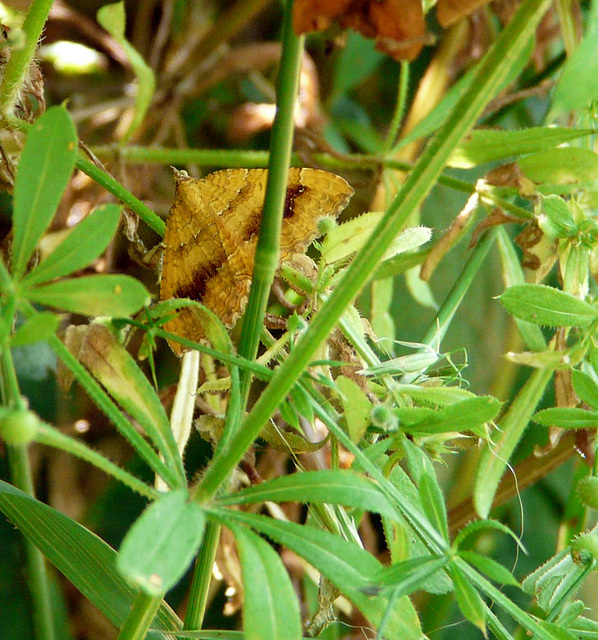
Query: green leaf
[[215, 331], [288, 441], [567, 418], [84, 244], [270, 606], [357, 61], [440, 396], [555, 581], [483, 525], [469, 600], [161, 544], [302, 402], [513, 275], [349, 237], [36, 329], [585, 387], [346, 565], [466, 415], [556, 218], [46, 164], [116, 370], [484, 145], [432, 499], [564, 165], [547, 306], [98, 295], [327, 486], [490, 567], [494, 458], [556, 631], [408, 576], [112, 18], [578, 83], [357, 407], [84, 558]]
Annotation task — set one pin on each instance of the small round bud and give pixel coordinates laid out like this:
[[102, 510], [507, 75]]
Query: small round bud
[[584, 549], [383, 418], [18, 427], [326, 224]]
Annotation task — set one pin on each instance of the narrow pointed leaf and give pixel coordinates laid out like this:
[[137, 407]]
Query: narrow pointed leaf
[[328, 486], [271, 609], [547, 306], [346, 565], [115, 369], [80, 248], [160, 546], [495, 457], [487, 145], [563, 165], [567, 418], [46, 164], [102, 295], [469, 600], [36, 329], [490, 568], [408, 576], [586, 388], [85, 559]]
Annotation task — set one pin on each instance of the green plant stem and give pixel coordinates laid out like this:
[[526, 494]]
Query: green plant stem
[[121, 194], [160, 155], [502, 600], [140, 617], [494, 459], [51, 437], [439, 326], [202, 576], [17, 67], [22, 478], [257, 159], [399, 113], [20, 472], [490, 73], [268, 244]]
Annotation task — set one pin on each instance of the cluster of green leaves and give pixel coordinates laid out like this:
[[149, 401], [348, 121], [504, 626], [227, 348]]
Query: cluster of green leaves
[[405, 414]]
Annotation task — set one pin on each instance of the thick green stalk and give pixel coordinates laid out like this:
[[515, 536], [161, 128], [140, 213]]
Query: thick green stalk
[[439, 326], [17, 67], [202, 575], [281, 143], [43, 619], [491, 71], [140, 617], [22, 478]]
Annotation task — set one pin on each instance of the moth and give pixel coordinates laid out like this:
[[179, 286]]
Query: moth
[[211, 237]]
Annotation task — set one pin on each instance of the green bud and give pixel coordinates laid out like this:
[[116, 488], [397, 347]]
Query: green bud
[[18, 426]]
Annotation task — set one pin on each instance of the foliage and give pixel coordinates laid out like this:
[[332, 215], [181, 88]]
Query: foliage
[[399, 438]]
